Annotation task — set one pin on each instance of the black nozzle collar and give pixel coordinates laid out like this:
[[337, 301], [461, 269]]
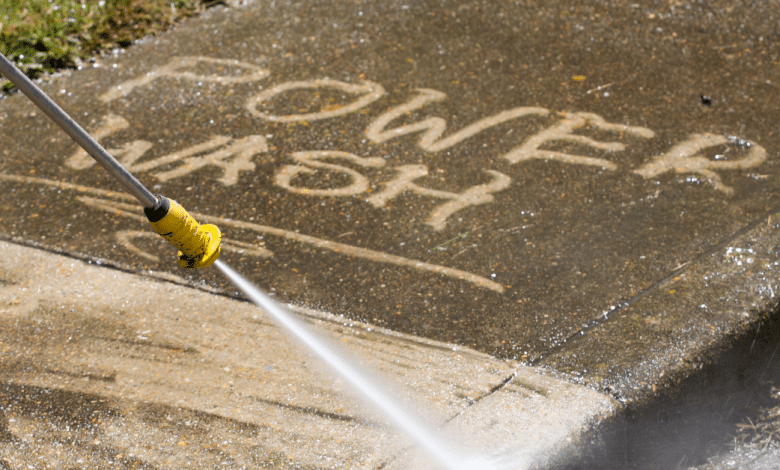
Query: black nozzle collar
[[160, 210]]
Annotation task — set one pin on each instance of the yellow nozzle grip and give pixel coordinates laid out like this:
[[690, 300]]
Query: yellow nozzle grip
[[199, 245]]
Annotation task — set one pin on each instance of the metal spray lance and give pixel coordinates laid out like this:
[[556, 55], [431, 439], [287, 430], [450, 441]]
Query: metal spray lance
[[198, 245]]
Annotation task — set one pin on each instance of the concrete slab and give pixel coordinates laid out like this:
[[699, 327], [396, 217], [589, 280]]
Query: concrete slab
[[102, 367], [553, 190], [560, 184], [683, 323]]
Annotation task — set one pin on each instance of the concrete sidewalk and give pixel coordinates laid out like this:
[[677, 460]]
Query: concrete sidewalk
[[581, 198], [101, 367]]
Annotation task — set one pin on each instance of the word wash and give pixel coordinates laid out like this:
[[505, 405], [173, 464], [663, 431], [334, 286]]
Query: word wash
[[235, 155]]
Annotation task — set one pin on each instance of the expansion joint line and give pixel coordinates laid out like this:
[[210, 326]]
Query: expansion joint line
[[602, 319], [491, 391]]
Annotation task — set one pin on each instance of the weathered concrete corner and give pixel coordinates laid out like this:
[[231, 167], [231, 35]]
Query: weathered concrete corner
[[682, 323]]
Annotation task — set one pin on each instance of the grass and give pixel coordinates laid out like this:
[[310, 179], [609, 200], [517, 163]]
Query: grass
[[765, 430], [46, 35]]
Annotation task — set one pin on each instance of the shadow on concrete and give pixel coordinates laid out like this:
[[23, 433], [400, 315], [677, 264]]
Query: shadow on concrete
[[684, 427]]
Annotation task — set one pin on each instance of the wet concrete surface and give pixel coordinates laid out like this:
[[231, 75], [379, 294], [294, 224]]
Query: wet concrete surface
[[568, 232], [590, 187], [688, 321]]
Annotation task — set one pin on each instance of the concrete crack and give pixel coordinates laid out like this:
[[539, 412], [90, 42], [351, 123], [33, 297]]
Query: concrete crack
[[491, 391]]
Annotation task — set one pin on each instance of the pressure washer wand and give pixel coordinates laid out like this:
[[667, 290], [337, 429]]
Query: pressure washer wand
[[76, 132], [199, 245]]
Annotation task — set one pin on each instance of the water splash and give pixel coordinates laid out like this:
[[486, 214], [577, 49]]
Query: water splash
[[434, 446]]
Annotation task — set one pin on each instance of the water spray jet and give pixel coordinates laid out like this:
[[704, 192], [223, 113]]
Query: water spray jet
[[372, 392]]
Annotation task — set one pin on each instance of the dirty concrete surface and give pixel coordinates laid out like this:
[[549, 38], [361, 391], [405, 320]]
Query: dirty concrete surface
[[588, 187]]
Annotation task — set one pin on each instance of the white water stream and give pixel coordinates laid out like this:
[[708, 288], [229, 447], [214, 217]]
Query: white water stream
[[444, 452]]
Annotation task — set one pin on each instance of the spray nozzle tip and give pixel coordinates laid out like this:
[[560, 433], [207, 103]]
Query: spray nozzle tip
[[199, 245]]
